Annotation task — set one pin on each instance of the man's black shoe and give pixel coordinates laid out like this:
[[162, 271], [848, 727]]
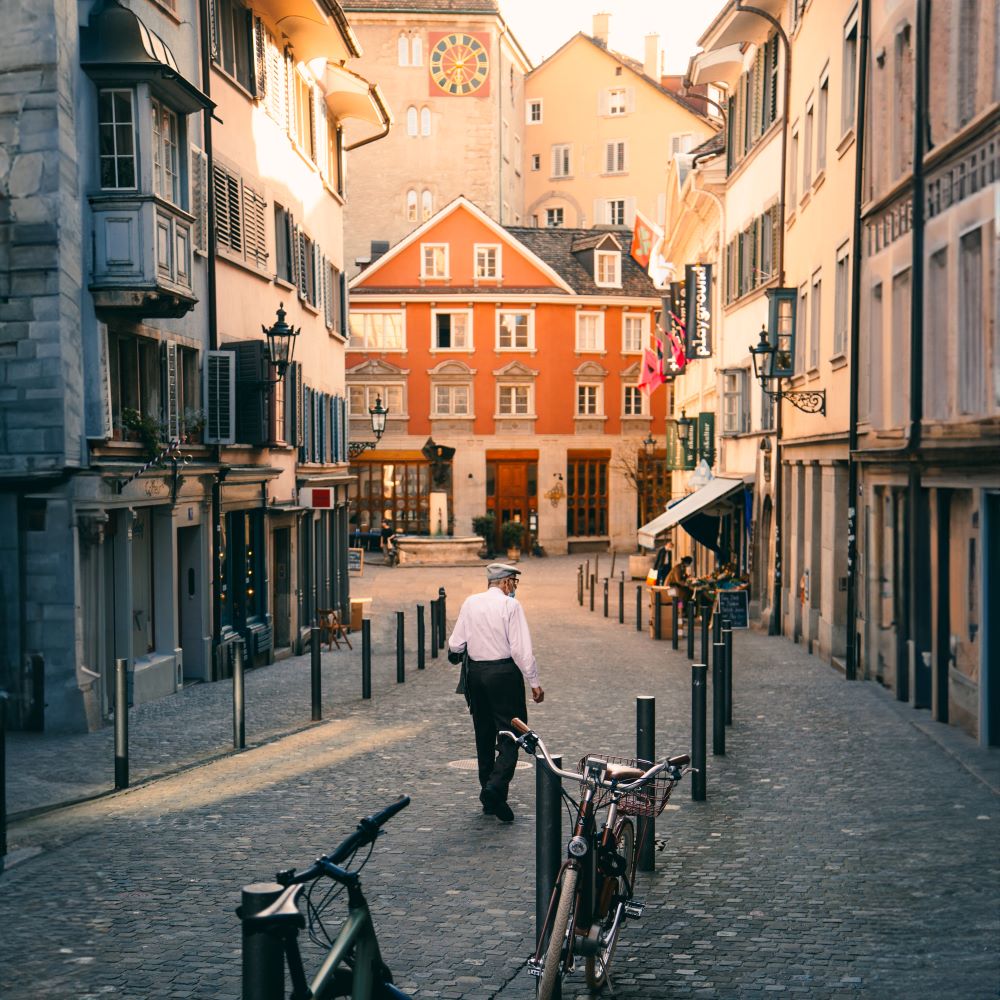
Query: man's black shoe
[[495, 806]]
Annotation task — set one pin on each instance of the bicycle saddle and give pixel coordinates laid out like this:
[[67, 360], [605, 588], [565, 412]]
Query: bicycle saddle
[[623, 773]]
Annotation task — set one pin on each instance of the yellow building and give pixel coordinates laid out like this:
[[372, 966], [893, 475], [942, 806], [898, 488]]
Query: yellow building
[[600, 130]]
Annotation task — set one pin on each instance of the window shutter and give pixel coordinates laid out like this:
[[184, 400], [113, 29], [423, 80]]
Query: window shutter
[[171, 396], [220, 397], [630, 99], [252, 424], [344, 435], [199, 198], [342, 316], [213, 28], [328, 294], [277, 99], [301, 272], [260, 59], [318, 128], [335, 455], [228, 221], [254, 208], [609, 157], [108, 429], [600, 212], [306, 424], [630, 212]]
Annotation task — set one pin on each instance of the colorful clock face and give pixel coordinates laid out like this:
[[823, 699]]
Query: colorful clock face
[[459, 64]]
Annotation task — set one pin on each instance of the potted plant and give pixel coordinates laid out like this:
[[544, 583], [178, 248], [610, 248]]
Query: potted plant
[[146, 430], [193, 425], [485, 527], [512, 534]]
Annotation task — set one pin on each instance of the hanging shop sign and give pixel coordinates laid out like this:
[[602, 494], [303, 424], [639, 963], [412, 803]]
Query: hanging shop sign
[[706, 437], [680, 456], [698, 314]]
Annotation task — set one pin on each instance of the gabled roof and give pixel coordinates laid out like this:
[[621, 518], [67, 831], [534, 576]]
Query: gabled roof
[[593, 240]]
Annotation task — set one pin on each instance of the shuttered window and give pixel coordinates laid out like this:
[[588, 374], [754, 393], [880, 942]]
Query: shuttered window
[[239, 217], [171, 390], [220, 397], [199, 198]]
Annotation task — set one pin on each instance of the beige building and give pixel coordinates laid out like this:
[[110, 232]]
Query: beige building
[[599, 132], [453, 77]]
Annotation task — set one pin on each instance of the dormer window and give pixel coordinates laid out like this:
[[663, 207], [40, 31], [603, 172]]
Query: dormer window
[[608, 269]]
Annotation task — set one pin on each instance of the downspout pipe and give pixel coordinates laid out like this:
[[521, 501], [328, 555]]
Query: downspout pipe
[[853, 506], [774, 627]]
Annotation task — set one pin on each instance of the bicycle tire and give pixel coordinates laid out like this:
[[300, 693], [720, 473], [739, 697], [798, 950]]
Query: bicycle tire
[[552, 965], [597, 965]]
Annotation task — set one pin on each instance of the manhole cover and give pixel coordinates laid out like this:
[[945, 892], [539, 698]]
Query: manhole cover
[[471, 764]]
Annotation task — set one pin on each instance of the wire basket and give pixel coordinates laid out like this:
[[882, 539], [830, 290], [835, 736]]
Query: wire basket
[[648, 800]]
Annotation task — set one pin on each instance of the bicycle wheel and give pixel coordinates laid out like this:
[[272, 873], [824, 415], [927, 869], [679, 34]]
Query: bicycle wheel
[[552, 965], [598, 965]]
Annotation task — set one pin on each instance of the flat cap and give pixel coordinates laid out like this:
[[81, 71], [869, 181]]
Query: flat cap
[[499, 571]]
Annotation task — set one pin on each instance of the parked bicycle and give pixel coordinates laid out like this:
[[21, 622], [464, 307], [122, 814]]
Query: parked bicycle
[[353, 966], [594, 892]]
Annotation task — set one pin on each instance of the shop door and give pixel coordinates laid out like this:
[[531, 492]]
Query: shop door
[[191, 602], [512, 497], [282, 601]]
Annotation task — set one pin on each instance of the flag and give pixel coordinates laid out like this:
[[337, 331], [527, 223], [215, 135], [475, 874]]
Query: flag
[[660, 270], [644, 235], [652, 374], [677, 347]]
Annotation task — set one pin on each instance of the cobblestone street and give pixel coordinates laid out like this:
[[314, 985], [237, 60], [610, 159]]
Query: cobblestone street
[[848, 845]]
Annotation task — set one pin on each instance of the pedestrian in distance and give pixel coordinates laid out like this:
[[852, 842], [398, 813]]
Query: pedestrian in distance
[[388, 533], [677, 576], [492, 642]]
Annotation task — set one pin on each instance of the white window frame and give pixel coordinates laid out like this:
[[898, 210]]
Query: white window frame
[[841, 301], [479, 251], [815, 319], [529, 119], [561, 160], [425, 121], [403, 51], [822, 121], [609, 209], [467, 347], [616, 110], [412, 122], [735, 384], [516, 388], [373, 390], [550, 214], [362, 315], [411, 205], [643, 320], [605, 257], [450, 388], [416, 51], [426, 205], [536, 162], [808, 129], [166, 152], [114, 125], [849, 71], [598, 347], [633, 392], [530, 314], [429, 253], [616, 157], [594, 397]]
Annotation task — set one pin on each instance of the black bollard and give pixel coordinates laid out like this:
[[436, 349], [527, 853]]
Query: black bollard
[[675, 616], [579, 585], [716, 626], [645, 751], [592, 582], [366, 658], [548, 837], [690, 608], [263, 952], [434, 630], [727, 639], [420, 637], [718, 699], [699, 681], [605, 597], [657, 627], [706, 651], [239, 703], [400, 648], [586, 579], [121, 724], [315, 677], [638, 608], [443, 613], [621, 601], [3, 777]]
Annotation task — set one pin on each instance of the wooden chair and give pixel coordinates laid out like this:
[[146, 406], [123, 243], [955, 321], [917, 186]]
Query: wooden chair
[[331, 629]]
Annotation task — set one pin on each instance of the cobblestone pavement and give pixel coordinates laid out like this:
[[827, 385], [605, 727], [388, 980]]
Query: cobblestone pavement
[[847, 847]]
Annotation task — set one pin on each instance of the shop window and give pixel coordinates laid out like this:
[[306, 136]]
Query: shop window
[[587, 497]]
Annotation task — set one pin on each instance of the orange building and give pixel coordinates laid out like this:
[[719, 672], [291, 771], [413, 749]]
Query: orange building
[[519, 348]]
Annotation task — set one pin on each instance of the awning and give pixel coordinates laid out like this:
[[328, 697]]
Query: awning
[[349, 95], [702, 501], [719, 65], [317, 29]]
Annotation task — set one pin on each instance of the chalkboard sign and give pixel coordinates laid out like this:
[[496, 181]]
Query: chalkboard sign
[[733, 606], [355, 560]]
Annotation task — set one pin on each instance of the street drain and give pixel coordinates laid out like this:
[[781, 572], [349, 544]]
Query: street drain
[[471, 764]]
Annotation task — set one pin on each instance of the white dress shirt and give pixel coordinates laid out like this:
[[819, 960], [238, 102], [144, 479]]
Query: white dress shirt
[[492, 626]]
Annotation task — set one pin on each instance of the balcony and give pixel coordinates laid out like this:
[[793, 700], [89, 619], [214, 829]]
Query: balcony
[[142, 256]]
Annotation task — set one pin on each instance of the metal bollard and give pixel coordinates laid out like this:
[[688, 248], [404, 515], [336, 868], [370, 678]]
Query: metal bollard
[[657, 627], [121, 724], [315, 677], [548, 837], [638, 608], [3, 777], [675, 614], [605, 597], [690, 608], [716, 626], [718, 699], [239, 703], [443, 613], [592, 582], [366, 658], [579, 584], [621, 601], [434, 630], [699, 681], [400, 648], [263, 952], [727, 639], [645, 750], [586, 578], [705, 626], [420, 637]]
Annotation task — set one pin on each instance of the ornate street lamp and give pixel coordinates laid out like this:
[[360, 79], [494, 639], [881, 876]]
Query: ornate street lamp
[[649, 445], [280, 344], [684, 428], [378, 413]]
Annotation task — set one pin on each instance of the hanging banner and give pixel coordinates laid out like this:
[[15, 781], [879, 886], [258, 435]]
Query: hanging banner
[[698, 313], [706, 437], [672, 323]]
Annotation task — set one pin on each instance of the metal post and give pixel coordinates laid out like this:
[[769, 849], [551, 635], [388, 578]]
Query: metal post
[[638, 608], [443, 612], [690, 608], [605, 597], [592, 582], [121, 724], [699, 681], [727, 640], [621, 601], [718, 699], [434, 631], [366, 658], [716, 626], [315, 676], [657, 628], [263, 953], [579, 584], [645, 750], [420, 637], [675, 614], [239, 706], [400, 649], [548, 837], [705, 625], [3, 777], [586, 578]]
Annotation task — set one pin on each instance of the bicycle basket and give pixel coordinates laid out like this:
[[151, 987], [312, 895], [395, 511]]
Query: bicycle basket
[[648, 800]]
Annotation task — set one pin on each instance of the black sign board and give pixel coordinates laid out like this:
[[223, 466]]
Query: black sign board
[[355, 560], [733, 606], [698, 314]]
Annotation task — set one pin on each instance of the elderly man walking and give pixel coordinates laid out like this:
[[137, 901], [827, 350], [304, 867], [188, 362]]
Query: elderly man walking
[[491, 634]]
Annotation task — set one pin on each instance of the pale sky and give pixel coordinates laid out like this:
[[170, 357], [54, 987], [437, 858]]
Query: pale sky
[[541, 26]]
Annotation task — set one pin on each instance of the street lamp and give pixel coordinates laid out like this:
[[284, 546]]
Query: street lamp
[[649, 444], [378, 413], [280, 344], [684, 426]]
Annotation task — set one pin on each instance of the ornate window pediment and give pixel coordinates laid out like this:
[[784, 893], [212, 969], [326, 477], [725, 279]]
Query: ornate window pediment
[[376, 368], [633, 371], [451, 370], [590, 370], [514, 371]]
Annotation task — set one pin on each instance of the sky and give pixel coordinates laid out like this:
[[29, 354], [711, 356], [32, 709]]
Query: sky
[[541, 26]]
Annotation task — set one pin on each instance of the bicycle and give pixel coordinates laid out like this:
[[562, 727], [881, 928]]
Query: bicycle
[[353, 966], [594, 892]]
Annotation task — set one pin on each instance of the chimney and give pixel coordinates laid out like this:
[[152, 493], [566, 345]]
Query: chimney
[[601, 28], [379, 248], [651, 64]]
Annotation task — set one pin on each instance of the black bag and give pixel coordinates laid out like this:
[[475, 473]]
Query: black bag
[[462, 687]]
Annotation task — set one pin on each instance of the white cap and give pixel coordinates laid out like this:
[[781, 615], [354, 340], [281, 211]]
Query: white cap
[[500, 571]]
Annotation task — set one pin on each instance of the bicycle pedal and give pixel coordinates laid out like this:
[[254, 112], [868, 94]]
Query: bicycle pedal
[[633, 909], [534, 968], [660, 845]]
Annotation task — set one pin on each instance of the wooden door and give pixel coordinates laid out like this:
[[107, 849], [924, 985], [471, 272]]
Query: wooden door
[[512, 496]]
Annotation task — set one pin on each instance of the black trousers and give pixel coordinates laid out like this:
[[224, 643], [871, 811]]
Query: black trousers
[[496, 693]]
